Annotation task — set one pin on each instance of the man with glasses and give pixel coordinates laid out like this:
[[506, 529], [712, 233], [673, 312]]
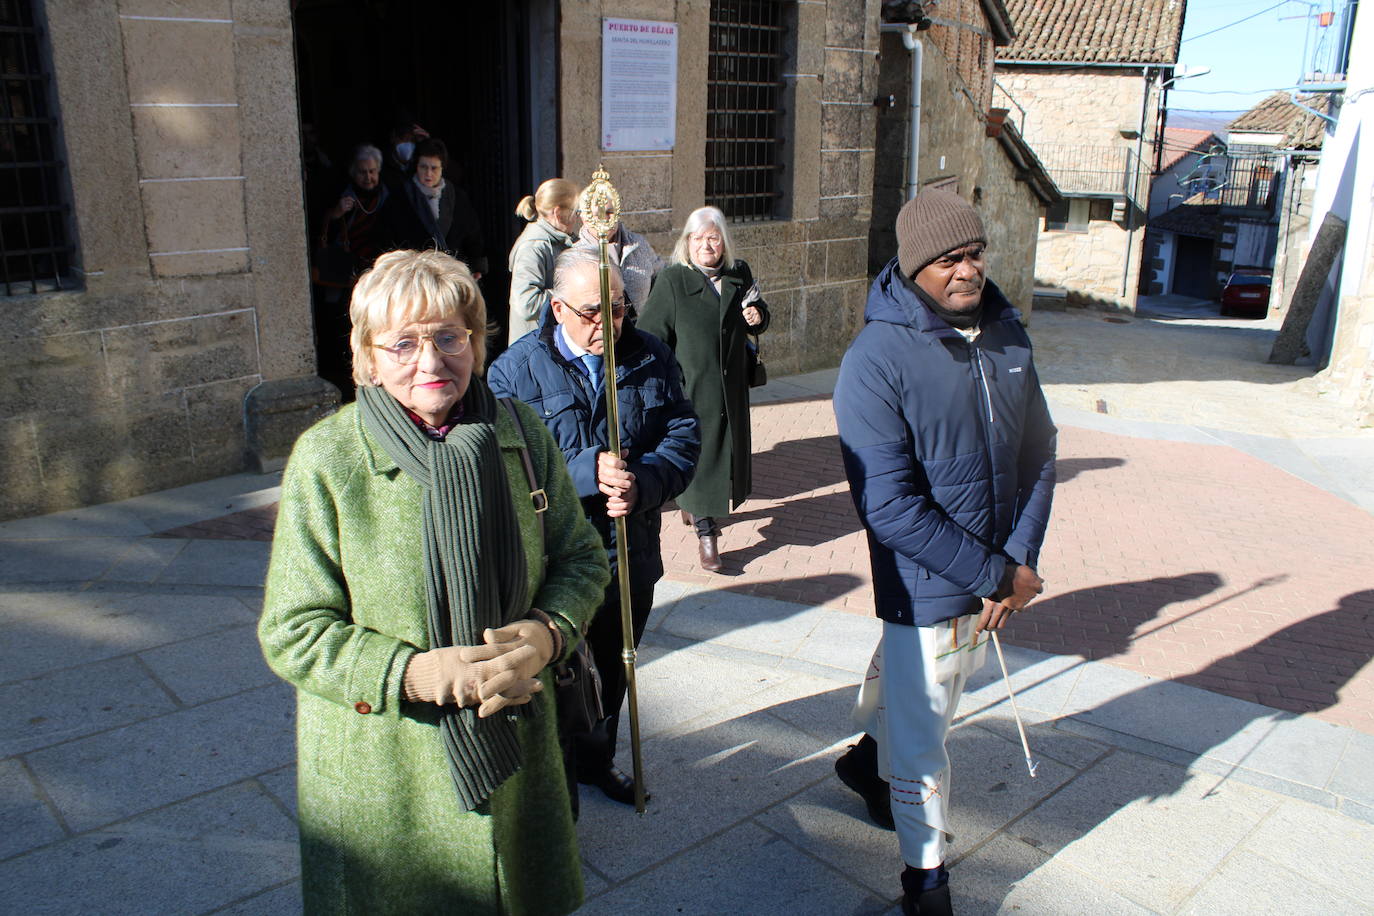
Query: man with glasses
[[560, 373], [949, 450]]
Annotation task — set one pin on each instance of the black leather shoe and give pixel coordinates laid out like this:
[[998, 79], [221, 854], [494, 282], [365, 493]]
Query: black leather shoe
[[614, 784], [929, 903], [858, 769]]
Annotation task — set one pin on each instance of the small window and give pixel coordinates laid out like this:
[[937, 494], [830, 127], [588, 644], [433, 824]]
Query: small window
[[34, 251], [1101, 210], [1069, 215], [744, 88]]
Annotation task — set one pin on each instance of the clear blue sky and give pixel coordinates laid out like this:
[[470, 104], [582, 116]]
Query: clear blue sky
[[1249, 60]]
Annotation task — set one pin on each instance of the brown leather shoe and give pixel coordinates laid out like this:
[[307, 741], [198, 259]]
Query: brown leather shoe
[[686, 518], [708, 553]]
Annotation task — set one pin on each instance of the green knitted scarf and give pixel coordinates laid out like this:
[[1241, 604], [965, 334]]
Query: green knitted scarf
[[474, 563]]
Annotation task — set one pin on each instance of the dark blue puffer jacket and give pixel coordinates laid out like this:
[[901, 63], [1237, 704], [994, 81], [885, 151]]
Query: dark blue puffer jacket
[[658, 427], [949, 450]]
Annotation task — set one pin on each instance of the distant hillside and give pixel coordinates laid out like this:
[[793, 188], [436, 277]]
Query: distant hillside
[[1214, 121]]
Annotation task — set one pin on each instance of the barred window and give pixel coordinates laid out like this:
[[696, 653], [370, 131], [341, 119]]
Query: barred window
[[34, 252], [744, 94]]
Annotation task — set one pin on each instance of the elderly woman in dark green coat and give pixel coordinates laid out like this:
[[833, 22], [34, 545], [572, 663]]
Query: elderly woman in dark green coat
[[704, 305], [410, 602]]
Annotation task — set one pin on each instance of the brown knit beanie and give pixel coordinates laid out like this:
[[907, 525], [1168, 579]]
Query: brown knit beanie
[[932, 223]]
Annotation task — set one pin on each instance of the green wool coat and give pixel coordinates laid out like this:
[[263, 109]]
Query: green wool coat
[[708, 335], [380, 826]]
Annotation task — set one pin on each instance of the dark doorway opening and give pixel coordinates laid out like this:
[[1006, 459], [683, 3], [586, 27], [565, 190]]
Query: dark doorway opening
[[480, 77], [1193, 267]]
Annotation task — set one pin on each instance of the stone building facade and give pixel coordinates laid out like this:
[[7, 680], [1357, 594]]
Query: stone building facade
[[1088, 75], [185, 324], [962, 148], [1095, 129], [811, 263], [184, 299]]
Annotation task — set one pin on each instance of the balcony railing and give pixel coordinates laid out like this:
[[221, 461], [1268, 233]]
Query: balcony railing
[[1096, 171]]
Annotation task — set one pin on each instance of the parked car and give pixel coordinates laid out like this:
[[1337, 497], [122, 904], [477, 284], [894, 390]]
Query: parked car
[[1246, 294]]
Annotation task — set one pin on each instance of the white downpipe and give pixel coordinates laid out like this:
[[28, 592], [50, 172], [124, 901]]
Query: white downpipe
[[913, 165]]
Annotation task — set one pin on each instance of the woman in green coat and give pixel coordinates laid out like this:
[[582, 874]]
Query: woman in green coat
[[411, 601], [704, 305]]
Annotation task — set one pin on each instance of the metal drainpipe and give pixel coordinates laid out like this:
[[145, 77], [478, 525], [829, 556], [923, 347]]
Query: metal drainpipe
[[1130, 213], [912, 44], [913, 166]]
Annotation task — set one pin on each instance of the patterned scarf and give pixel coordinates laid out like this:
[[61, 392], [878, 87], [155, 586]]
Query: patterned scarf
[[474, 564]]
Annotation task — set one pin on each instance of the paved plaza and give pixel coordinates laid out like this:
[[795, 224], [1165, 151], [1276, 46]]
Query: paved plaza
[[1197, 677]]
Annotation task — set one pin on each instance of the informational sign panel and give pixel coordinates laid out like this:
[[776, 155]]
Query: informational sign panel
[[638, 84]]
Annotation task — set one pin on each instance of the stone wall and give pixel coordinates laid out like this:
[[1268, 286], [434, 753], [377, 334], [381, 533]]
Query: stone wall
[[1295, 223], [191, 291], [810, 264], [954, 151], [1089, 107]]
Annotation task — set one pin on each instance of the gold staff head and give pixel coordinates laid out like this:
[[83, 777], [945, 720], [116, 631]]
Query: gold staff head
[[600, 204]]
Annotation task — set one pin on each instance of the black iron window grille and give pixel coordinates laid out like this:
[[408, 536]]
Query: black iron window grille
[[744, 92], [34, 251]]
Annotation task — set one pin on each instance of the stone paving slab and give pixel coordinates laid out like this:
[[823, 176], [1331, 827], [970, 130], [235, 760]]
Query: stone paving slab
[[189, 857]]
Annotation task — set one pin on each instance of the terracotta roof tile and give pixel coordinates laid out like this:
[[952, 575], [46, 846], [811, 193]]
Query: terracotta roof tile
[[1191, 219], [1278, 115], [1095, 31], [1180, 141]]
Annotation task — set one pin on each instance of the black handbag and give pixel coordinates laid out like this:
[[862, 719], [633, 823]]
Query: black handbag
[[577, 683], [758, 372]]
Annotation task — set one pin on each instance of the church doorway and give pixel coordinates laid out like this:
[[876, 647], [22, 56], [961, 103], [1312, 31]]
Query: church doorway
[[479, 76]]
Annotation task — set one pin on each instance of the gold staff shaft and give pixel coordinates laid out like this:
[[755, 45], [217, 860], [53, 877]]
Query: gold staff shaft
[[605, 214]]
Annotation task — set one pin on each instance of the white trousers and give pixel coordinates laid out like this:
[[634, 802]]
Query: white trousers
[[906, 703]]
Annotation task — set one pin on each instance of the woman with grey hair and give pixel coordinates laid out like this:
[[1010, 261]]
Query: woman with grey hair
[[355, 223], [704, 306], [431, 560]]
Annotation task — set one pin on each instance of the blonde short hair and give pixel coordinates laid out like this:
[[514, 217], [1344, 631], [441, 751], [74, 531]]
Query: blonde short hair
[[701, 218], [408, 286]]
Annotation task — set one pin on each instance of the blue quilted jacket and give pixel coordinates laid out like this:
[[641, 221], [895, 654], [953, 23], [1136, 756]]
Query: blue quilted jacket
[[658, 428], [949, 450]]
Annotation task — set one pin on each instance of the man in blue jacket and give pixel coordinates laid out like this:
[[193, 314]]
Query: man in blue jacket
[[559, 372], [949, 451]]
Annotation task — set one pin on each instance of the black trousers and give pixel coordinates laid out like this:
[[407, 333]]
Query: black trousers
[[594, 751]]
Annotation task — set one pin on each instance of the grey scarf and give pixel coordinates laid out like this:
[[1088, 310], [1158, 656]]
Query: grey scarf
[[474, 564]]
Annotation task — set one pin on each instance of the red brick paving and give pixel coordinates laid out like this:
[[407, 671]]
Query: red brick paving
[[248, 525], [1191, 562], [1196, 563]]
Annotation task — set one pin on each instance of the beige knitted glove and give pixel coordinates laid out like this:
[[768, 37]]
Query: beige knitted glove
[[528, 646], [448, 675]]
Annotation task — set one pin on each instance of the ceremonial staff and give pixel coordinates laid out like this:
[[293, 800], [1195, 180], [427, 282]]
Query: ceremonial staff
[[600, 208]]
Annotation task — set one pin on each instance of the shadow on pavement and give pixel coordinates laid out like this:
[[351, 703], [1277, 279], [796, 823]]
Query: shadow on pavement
[[1066, 469]]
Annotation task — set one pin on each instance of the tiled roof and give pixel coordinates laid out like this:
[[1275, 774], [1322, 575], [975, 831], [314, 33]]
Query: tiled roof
[[1203, 220], [1180, 141], [1095, 31], [1278, 115]]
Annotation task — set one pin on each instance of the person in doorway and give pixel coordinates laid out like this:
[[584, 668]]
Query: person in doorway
[[416, 603], [704, 306], [351, 234], [949, 451], [438, 214], [553, 225], [559, 373], [400, 145]]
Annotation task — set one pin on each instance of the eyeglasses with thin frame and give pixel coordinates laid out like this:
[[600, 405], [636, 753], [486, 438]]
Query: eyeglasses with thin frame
[[953, 258], [448, 341], [592, 314]]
